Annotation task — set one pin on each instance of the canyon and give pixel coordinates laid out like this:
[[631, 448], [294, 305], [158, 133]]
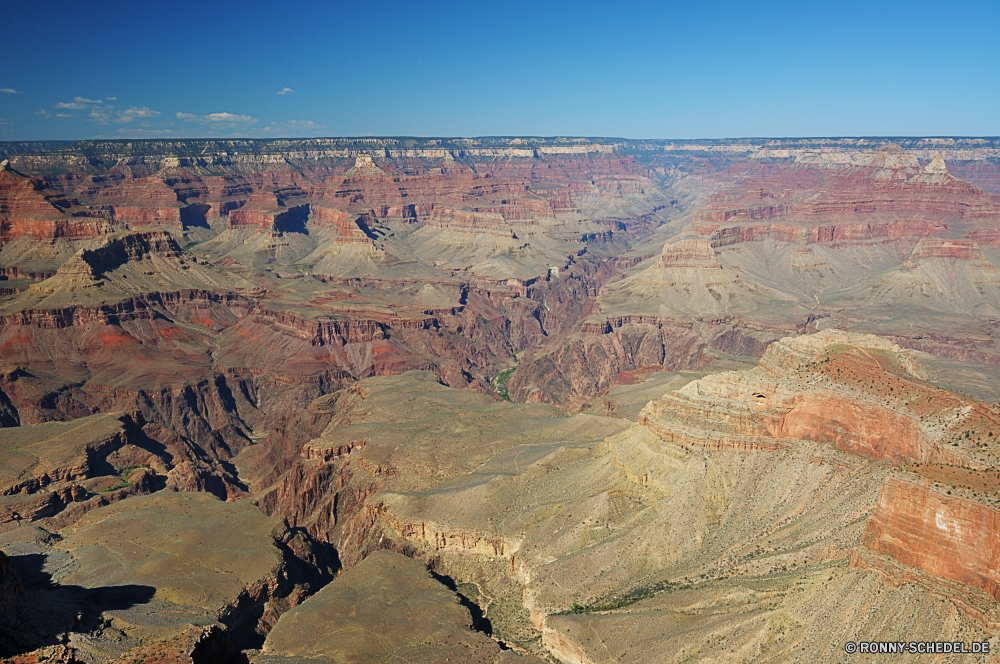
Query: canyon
[[497, 399]]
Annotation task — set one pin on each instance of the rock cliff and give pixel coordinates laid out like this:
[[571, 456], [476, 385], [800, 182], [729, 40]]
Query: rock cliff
[[947, 536], [287, 323], [857, 393]]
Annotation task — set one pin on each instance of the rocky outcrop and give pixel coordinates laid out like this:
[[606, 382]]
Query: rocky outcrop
[[840, 232], [266, 211], [688, 253], [964, 250], [141, 202], [40, 455], [349, 229], [197, 645], [814, 387], [476, 223], [61, 471], [122, 249], [754, 205], [29, 207], [586, 364], [946, 536]]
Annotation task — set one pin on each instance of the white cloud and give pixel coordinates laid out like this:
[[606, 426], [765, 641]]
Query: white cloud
[[78, 103], [229, 117], [10, 91], [133, 112], [284, 91], [3, 122], [217, 118], [293, 128], [144, 133], [100, 114], [43, 113]]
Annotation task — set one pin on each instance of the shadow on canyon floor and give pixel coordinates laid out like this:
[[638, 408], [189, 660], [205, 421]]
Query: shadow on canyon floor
[[47, 611]]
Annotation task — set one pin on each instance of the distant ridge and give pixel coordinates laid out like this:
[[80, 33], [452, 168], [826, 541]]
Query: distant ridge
[[192, 147]]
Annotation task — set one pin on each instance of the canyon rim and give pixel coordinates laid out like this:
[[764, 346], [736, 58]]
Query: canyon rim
[[575, 400]]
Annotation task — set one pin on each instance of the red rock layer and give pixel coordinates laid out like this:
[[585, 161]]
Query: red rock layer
[[854, 426], [849, 204], [408, 213], [29, 207], [756, 204], [858, 401], [350, 229], [269, 211], [965, 250], [842, 232], [148, 216], [522, 210], [947, 536], [464, 221], [145, 201], [259, 211]]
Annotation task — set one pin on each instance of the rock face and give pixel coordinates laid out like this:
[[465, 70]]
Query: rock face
[[534, 525], [474, 223], [287, 324], [387, 607], [153, 566], [857, 393], [28, 207], [965, 250], [59, 467], [689, 253], [883, 194], [946, 536], [123, 265], [264, 211], [142, 202], [753, 205], [348, 230]]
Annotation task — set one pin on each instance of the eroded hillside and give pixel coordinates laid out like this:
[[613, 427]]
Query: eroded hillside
[[256, 397]]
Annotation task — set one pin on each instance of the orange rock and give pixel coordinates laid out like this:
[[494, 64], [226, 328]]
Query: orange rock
[[947, 536], [29, 207]]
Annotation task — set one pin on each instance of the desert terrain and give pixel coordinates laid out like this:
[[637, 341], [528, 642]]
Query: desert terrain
[[501, 400]]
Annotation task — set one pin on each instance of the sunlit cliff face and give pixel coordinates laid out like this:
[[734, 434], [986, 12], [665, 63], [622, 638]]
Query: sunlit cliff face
[[511, 399]]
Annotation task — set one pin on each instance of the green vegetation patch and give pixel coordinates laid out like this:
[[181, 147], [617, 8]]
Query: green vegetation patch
[[499, 382], [627, 599], [124, 480]]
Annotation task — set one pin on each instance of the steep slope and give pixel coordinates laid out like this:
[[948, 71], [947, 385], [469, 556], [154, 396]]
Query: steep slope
[[747, 489], [387, 607], [28, 207], [258, 308], [125, 265], [690, 280], [146, 569], [858, 393], [940, 276]]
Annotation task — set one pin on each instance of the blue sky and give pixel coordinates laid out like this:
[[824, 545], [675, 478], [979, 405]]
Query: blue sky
[[73, 70]]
